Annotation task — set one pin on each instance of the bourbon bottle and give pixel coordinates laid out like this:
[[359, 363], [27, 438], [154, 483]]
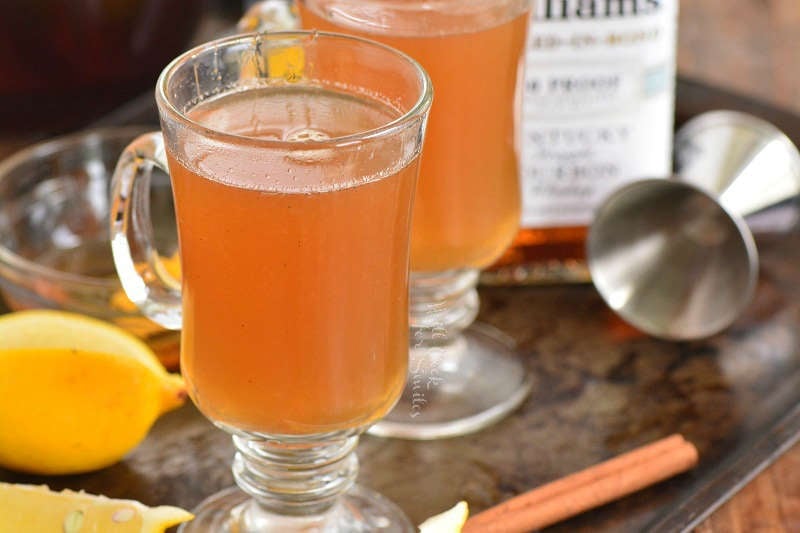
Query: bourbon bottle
[[597, 106]]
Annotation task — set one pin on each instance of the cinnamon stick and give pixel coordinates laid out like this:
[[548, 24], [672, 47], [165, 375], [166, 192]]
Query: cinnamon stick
[[589, 488]]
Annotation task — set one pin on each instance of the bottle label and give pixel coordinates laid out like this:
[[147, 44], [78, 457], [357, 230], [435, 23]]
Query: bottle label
[[598, 104]]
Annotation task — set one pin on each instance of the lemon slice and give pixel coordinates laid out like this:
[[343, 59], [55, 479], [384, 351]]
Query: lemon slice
[[76, 393], [450, 521], [36, 509]]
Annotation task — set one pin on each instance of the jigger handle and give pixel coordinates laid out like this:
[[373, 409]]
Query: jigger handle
[[141, 270]]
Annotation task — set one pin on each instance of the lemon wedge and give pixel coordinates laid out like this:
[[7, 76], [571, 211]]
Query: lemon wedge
[[36, 509], [450, 521], [76, 393]]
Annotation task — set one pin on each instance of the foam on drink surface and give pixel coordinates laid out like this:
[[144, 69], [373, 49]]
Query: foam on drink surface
[[415, 19], [301, 120]]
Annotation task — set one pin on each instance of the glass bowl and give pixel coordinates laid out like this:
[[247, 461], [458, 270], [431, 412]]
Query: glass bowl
[[54, 223]]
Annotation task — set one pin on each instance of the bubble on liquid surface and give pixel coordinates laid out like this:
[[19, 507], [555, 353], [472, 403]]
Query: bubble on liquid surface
[[307, 135], [311, 155]]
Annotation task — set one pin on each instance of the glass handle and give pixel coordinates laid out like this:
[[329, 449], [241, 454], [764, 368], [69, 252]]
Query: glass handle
[[269, 15], [144, 277]]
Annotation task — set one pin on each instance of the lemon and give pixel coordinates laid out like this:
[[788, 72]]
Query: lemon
[[76, 393], [35, 509], [450, 521]]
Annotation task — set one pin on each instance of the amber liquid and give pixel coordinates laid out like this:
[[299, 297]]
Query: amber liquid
[[542, 255], [294, 287], [467, 203]]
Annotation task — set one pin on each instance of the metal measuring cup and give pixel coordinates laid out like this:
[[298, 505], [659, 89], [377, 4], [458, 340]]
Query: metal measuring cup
[[676, 258]]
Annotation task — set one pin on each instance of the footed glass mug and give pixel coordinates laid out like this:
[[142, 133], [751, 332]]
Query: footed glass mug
[[293, 158], [462, 376]]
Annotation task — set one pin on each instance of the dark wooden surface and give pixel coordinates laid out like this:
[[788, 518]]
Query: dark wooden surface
[[600, 387], [749, 47]]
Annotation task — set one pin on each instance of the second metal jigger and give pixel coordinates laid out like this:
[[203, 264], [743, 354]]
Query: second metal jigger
[[676, 258]]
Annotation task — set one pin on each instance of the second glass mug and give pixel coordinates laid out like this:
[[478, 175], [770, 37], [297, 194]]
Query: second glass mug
[[462, 376], [293, 159]]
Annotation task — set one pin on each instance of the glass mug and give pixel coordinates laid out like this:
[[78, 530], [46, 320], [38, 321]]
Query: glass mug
[[293, 158], [462, 376]]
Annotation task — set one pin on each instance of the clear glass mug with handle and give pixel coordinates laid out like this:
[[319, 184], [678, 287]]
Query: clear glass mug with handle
[[293, 158], [463, 376]]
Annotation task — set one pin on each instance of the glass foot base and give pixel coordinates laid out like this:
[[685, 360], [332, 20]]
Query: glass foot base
[[360, 511], [459, 388]]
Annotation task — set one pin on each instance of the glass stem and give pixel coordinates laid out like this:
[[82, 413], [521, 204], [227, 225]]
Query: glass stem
[[294, 481], [441, 306]]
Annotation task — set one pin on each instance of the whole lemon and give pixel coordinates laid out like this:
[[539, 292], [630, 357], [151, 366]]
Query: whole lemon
[[76, 394]]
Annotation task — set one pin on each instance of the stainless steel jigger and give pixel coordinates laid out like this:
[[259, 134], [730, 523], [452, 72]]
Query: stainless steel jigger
[[676, 258]]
